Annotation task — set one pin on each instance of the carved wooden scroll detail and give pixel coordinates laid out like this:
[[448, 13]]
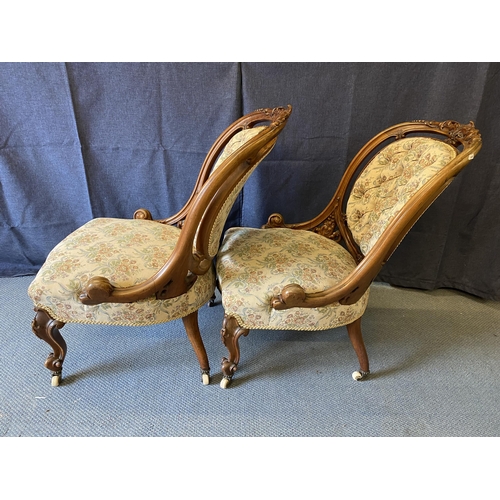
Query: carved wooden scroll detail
[[456, 132], [276, 115], [274, 221], [97, 290], [292, 295], [329, 229], [399, 134], [143, 213]]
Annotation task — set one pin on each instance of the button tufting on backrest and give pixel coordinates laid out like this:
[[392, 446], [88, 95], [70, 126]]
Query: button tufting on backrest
[[391, 178]]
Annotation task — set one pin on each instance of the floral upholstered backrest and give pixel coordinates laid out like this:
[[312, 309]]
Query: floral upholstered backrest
[[389, 180], [232, 146], [242, 137]]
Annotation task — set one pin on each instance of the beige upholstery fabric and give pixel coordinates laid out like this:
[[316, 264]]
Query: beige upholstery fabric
[[255, 264], [126, 252], [389, 181], [235, 143]]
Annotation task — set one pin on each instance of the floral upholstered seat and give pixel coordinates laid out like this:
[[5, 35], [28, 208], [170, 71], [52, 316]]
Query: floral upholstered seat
[[141, 271], [128, 252], [316, 275], [255, 265]]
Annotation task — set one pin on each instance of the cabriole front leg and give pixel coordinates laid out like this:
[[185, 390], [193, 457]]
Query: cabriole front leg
[[47, 328], [230, 333]]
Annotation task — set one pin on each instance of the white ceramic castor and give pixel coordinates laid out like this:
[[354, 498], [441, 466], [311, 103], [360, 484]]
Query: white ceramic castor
[[55, 380], [205, 378], [359, 375], [225, 382]]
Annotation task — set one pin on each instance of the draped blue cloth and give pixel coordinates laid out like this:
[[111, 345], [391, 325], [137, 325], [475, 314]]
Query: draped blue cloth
[[85, 140]]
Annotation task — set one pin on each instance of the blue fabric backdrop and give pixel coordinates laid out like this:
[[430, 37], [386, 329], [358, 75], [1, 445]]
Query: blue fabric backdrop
[[83, 140]]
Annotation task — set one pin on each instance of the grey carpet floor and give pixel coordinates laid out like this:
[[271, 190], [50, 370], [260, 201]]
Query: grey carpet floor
[[434, 360]]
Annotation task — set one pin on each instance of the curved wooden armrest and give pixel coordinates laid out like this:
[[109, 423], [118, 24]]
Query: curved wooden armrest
[[99, 290], [294, 295], [347, 292], [172, 280]]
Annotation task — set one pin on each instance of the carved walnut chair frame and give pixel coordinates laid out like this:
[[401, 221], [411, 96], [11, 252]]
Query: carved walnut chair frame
[[195, 249], [332, 223]]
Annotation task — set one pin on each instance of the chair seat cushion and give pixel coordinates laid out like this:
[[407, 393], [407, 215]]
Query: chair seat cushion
[[253, 265], [127, 252]]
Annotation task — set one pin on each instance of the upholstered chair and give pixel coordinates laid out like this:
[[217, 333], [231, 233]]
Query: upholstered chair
[[140, 271], [316, 275]]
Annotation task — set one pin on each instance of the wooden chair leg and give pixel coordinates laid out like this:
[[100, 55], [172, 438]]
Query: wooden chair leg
[[354, 331], [47, 328], [230, 333], [194, 336]]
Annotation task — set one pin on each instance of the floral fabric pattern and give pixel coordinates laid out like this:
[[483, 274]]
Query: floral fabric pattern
[[236, 142], [127, 252], [233, 145], [389, 181], [253, 265]]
